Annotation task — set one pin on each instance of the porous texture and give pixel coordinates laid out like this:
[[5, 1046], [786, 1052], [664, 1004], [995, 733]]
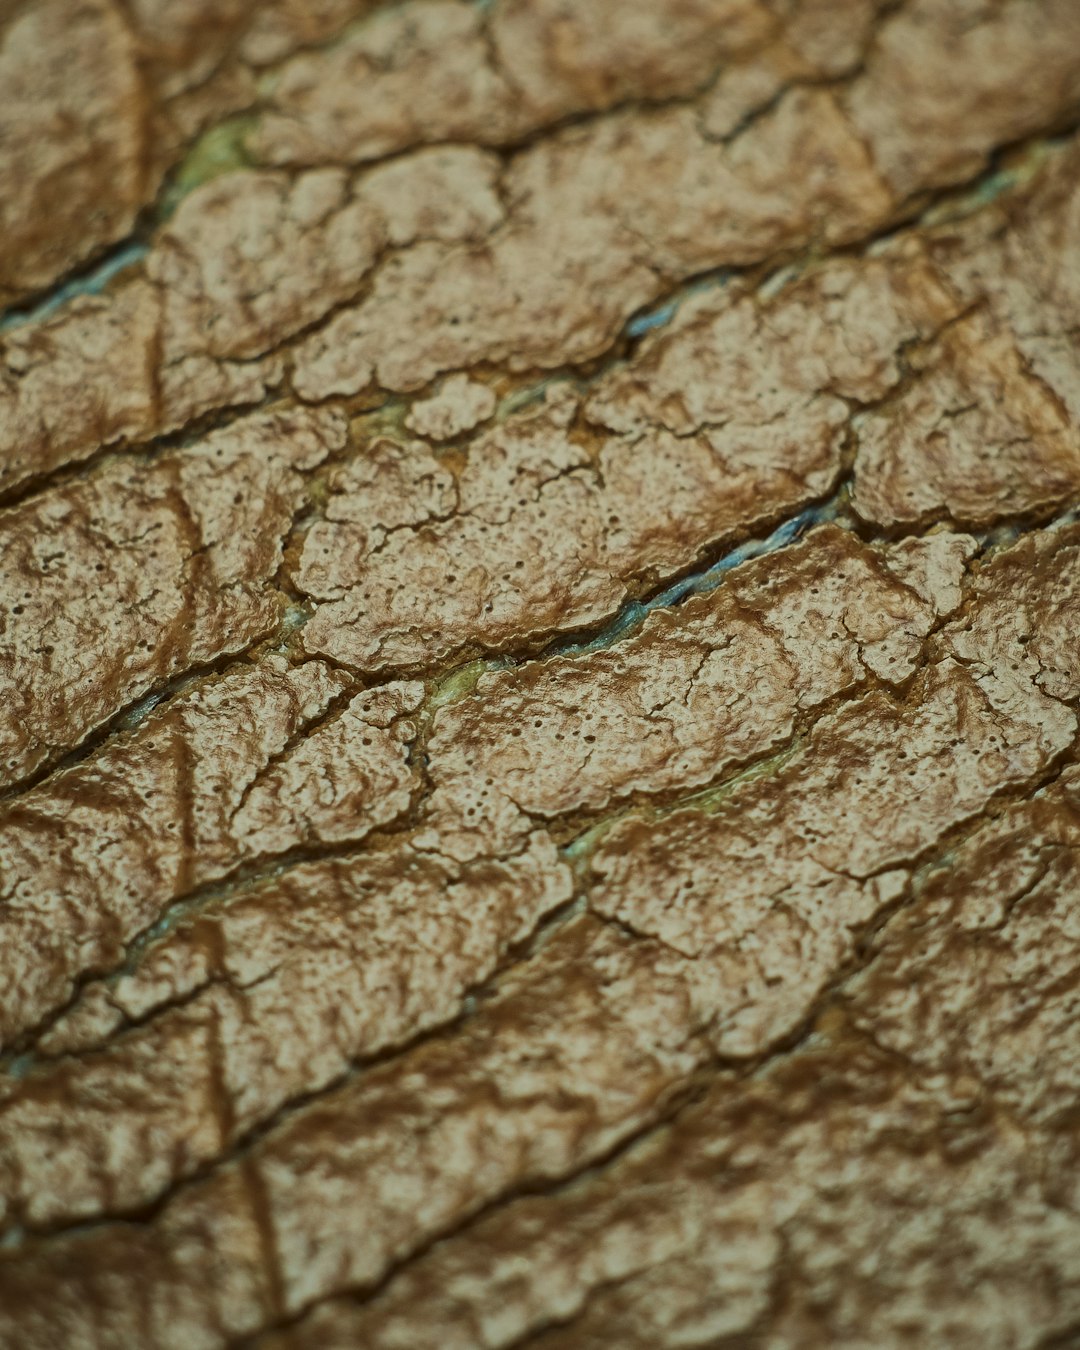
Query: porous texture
[[539, 675]]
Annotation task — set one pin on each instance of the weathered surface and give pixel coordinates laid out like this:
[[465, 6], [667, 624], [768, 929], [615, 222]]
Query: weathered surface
[[277, 996], [800, 1209], [718, 682], [585, 236], [246, 262], [73, 123], [442, 70], [116, 582], [976, 436], [766, 897], [580, 1062], [102, 99], [240, 769], [977, 983], [724, 421], [539, 674], [778, 1206]]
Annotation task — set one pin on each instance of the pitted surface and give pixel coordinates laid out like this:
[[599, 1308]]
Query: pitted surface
[[539, 668]]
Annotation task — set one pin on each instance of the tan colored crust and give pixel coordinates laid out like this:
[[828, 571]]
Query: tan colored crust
[[721, 681], [141, 571], [309, 763], [73, 133], [584, 236], [539, 674]]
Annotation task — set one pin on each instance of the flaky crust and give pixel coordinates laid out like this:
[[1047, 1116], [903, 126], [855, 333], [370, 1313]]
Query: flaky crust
[[539, 668]]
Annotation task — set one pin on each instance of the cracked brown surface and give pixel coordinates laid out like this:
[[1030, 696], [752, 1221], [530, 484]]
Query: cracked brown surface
[[539, 668], [141, 571]]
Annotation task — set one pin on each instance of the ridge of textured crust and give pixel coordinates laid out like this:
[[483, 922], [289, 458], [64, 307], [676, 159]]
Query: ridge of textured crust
[[539, 674], [535, 258], [116, 582]]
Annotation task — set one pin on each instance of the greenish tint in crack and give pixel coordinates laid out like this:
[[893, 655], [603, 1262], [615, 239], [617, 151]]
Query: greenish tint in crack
[[460, 682], [218, 151]]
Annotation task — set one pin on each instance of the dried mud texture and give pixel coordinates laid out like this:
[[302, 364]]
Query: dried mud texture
[[141, 571], [95, 855], [539, 674], [103, 98], [72, 138]]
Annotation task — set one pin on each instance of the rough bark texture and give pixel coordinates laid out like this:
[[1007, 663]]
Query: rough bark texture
[[539, 674]]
